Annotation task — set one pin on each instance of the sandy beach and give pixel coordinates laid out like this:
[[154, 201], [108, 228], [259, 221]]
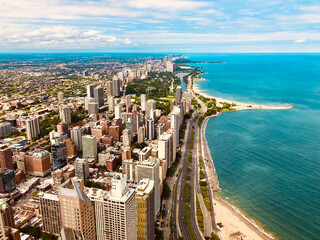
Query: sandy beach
[[240, 105], [236, 225]]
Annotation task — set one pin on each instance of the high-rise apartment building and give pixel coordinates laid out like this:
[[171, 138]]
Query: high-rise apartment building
[[150, 129], [143, 102], [71, 147], [145, 210], [178, 94], [90, 92], [116, 87], [65, 113], [109, 89], [150, 169], [99, 96], [93, 108], [58, 155], [89, 146], [50, 212], [60, 97], [5, 129], [81, 168], [117, 111], [175, 119], [141, 134], [77, 212], [166, 148], [6, 157], [150, 107], [76, 136], [7, 183], [6, 213], [32, 127]]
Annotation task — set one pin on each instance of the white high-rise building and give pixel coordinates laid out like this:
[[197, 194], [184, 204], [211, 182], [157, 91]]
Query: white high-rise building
[[165, 148], [109, 89], [76, 135], [150, 107], [126, 138], [169, 66], [90, 92], [118, 111], [143, 102], [116, 219], [5, 129], [141, 134], [175, 115], [65, 113], [33, 127], [111, 103]]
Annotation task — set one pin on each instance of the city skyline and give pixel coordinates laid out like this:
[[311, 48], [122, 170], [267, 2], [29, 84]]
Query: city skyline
[[159, 26]]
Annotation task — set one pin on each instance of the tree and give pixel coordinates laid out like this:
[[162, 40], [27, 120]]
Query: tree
[[166, 190]]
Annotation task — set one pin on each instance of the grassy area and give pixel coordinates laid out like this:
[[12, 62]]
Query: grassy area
[[199, 215], [169, 98], [188, 222]]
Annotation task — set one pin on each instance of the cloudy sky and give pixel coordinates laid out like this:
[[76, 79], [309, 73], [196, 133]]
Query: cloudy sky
[[159, 26]]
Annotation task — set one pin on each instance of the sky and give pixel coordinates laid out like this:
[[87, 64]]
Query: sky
[[159, 26]]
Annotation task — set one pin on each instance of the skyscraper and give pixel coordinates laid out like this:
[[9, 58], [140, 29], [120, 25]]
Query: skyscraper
[[99, 96], [5, 129], [93, 108], [109, 89], [76, 135], [6, 157], [126, 138], [150, 169], [7, 183], [118, 111], [150, 129], [81, 168], [65, 113], [90, 92], [120, 210], [33, 127], [71, 147], [60, 96], [178, 94], [59, 155], [6, 213], [145, 210], [143, 102], [165, 148], [116, 87], [50, 212], [150, 107], [89, 146], [77, 212], [111, 103], [175, 115]]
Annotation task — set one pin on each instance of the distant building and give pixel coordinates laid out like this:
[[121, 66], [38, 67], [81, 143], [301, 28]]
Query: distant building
[[60, 96], [90, 92], [150, 129], [65, 113], [58, 155], [118, 111], [109, 89], [93, 108], [178, 94], [7, 183], [166, 148], [143, 102], [141, 134], [116, 87], [7, 214], [76, 135], [6, 157], [33, 127], [71, 147], [81, 168], [5, 129], [150, 107], [99, 96], [38, 163], [89, 146]]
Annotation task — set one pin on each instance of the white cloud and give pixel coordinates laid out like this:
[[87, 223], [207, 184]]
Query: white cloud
[[299, 41], [168, 5]]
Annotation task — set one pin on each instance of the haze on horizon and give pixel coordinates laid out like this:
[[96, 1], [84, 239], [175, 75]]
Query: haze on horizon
[[159, 26]]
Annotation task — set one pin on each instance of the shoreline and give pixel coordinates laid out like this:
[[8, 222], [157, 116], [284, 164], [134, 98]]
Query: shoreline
[[240, 105], [236, 223]]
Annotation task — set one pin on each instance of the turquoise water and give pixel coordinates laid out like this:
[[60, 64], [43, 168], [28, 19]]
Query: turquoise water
[[268, 162]]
